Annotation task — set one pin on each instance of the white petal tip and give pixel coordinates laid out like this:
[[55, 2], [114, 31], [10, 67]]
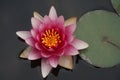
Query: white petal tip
[[86, 45], [79, 44], [37, 15], [18, 33], [52, 13], [45, 68], [23, 34], [44, 75], [52, 7]]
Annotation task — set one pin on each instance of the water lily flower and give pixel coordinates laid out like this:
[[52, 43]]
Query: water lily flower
[[51, 40]]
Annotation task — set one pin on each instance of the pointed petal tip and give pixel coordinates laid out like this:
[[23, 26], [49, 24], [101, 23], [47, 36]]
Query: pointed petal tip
[[79, 44], [37, 15], [34, 13], [54, 61], [23, 34], [85, 45], [44, 76], [70, 21], [45, 68], [18, 33], [53, 13], [52, 7], [25, 53]]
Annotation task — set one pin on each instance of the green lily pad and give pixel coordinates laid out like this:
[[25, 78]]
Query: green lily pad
[[116, 5], [101, 30]]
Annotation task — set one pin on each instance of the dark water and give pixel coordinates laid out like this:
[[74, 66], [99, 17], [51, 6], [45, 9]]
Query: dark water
[[16, 14]]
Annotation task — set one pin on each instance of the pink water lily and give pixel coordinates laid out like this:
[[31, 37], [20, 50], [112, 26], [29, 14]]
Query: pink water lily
[[51, 40]]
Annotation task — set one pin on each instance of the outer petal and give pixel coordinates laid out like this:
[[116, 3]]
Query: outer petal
[[61, 20], [34, 33], [52, 13], [38, 16], [37, 46], [68, 37], [70, 21], [45, 67], [34, 54], [26, 52], [70, 50], [47, 21], [35, 22], [30, 41], [60, 52], [70, 29], [54, 61], [78, 44], [66, 62], [23, 34]]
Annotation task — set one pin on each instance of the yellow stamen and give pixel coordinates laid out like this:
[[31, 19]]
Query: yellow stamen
[[51, 38]]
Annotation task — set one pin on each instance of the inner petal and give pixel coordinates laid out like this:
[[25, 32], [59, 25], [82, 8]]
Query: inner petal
[[51, 38]]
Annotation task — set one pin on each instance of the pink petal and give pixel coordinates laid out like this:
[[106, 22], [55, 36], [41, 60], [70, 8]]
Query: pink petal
[[61, 20], [45, 67], [34, 54], [47, 21], [70, 29], [70, 50], [60, 52], [45, 54], [35, 22], [69, 37], [33, 32], [38, 38], [23, 34], [41, 27], [78, 44], [54, 61], [37, 45], [52, 13], [30, 41]]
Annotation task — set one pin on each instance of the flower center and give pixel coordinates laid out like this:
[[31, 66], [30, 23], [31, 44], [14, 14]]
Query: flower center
[[50, 38]]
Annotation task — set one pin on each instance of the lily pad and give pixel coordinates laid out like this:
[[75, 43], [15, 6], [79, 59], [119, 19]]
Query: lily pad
[[116, 5], [101, 30]]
